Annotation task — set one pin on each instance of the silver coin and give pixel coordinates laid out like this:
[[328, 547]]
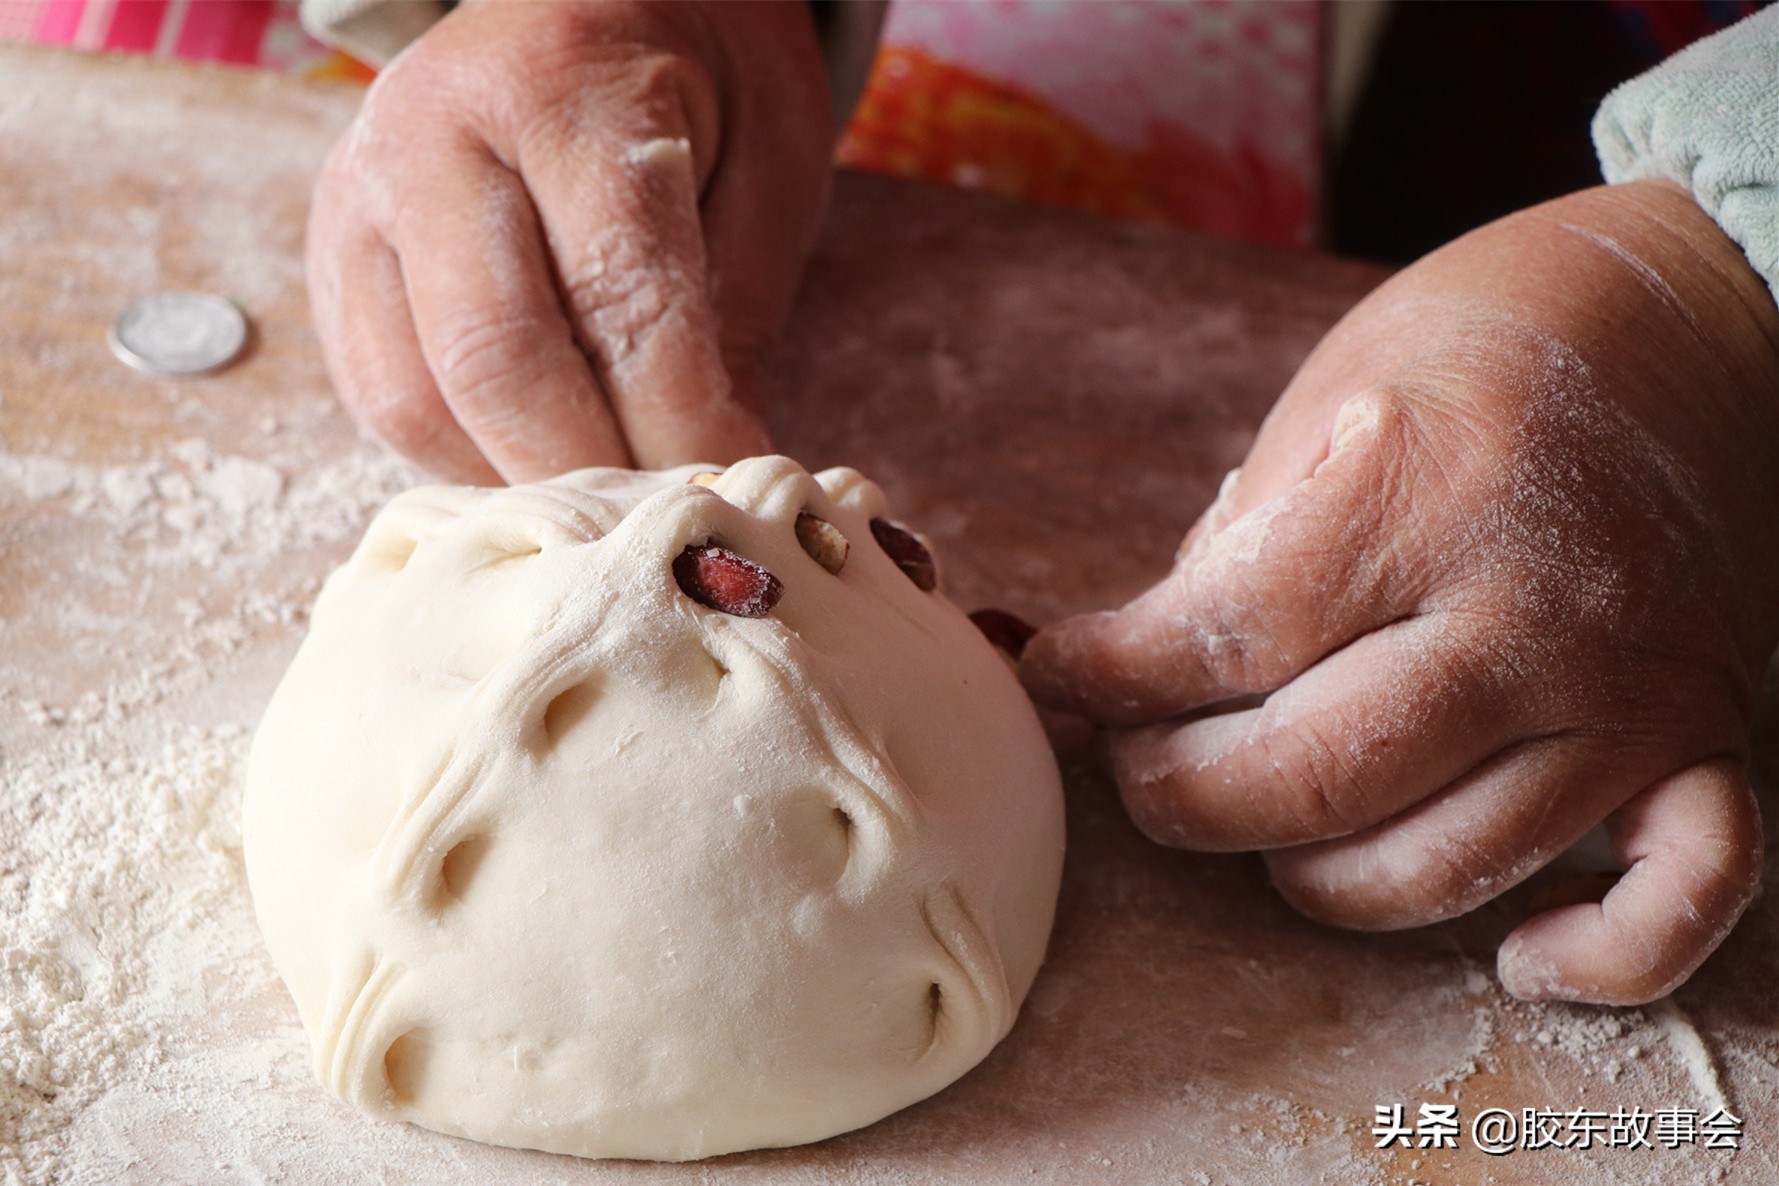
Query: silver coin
[[179, 333]]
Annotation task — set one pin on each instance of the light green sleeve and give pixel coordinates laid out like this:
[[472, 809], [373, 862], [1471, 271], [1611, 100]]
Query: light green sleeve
[[373, 31], [1708, 119]]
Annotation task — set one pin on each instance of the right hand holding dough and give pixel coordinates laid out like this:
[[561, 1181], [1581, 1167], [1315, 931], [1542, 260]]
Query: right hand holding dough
[[568, 234], [1503, 565]]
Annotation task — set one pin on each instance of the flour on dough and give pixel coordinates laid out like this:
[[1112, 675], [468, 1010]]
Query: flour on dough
[[552, 853]]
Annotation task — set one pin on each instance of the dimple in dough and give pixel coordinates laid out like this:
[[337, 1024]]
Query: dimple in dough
[[552, 855]]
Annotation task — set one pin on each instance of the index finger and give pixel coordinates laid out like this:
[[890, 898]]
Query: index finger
[[1249, 608], [619, 201], [492, 328]]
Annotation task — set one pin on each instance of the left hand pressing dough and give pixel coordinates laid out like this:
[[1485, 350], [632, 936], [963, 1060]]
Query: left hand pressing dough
[[568, 832]]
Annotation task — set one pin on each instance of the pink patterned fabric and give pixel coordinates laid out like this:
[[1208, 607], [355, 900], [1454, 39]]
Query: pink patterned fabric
[[1204, 113], [262, 33]]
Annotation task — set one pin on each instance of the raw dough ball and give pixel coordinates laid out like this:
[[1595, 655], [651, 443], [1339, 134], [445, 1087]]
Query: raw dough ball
[[554, 852]]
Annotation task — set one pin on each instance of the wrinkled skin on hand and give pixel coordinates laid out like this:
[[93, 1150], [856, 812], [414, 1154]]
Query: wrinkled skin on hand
[[568, 234], [1501, 565]]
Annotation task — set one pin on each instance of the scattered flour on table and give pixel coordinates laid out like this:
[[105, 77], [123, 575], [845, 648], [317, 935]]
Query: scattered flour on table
[[1688, 1045], [124, 917], [125, 923], [197, 507], [135, 854]]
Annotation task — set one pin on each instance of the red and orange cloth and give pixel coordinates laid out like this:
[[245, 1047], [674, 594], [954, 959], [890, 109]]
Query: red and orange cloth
[[1199, 114]]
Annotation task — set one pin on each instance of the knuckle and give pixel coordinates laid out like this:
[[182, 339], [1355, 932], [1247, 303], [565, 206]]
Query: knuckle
[[348, 201], [476, 356], [663, 82], [1483, 650], [1318, 783], [613, 278], [1335, 883], [620, 303], [664, 85], [1404, 885], [1241, 651], [613, 96], [1439, 884], [1439, 878], [1729, 874], [1643, 966]]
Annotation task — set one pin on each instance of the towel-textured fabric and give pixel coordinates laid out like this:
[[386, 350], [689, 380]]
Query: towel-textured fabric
[[373, 31], [1708, 119]]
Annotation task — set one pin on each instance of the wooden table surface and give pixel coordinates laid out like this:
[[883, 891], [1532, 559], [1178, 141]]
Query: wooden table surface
[[1051, 397]]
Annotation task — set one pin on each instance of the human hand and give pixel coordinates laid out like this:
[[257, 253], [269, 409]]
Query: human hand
[[1502, 563], [568, 234]]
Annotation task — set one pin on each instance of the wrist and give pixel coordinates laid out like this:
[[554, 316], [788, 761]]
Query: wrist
[[1673, 298], [1681, 335], [1634, 280]]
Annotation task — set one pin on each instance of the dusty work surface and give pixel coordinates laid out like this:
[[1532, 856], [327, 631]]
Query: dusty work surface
[[1052, 398]]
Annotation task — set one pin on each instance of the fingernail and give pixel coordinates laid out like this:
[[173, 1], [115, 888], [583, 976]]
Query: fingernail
[[1528, 975], [1226, 488], [1360, 415], [663, 152], [1216, 517]]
